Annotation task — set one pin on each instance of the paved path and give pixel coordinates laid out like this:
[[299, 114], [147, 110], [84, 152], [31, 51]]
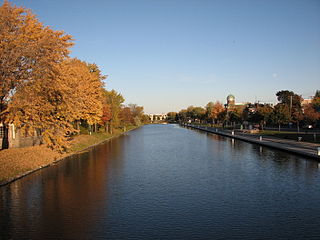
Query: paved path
[[301, 148]]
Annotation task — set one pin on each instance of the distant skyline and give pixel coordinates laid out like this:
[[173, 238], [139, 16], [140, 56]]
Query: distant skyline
[[169, 54]]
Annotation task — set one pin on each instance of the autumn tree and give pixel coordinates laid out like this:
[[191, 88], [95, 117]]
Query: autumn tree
[[312, 110], [106, 116], [83, 84], [29, 54], [217, 110], [311, 116], [126, 116], [29, 51], [51, 105]]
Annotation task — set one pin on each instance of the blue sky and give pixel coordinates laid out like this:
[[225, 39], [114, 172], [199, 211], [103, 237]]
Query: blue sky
[[169, 54]]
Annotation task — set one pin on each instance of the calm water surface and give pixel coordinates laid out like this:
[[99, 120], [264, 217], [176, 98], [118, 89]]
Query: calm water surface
[[167, 182]]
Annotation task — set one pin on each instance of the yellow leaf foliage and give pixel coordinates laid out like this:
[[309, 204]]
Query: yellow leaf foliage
[[54, 103], [83, 89], [28, 50], [41, 88]]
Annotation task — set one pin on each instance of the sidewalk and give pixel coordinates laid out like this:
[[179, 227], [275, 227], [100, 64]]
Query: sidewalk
[[301, 148]]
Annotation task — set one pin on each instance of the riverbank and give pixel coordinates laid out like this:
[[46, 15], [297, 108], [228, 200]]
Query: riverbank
[[302, 148], [303, 136], [19, 162]]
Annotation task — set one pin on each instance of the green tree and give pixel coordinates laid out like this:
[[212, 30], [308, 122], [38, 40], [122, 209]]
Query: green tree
[[182, 115], [115, 101], [262, 114], [145, 119], [196, 113], [209, 108], [280, 115], [222, 116], [289, 98], [137, 113], [316, 101], [293, 101], [172, 117]]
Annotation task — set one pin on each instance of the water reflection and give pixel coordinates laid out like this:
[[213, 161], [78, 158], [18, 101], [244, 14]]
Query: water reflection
[[167, 182], [67, 195]]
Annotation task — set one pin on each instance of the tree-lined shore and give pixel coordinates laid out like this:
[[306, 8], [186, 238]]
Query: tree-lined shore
[[44, 91], [289, 111]]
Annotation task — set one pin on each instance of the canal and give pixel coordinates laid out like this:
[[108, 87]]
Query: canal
[[167, 182]]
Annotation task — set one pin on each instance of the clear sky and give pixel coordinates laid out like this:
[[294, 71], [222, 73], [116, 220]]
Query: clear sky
[[169, 54]]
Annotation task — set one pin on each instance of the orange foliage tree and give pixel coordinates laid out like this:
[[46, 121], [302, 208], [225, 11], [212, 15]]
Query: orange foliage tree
[[106, 116], [29, 51], [126, 116], [217, 110], [53, 104]]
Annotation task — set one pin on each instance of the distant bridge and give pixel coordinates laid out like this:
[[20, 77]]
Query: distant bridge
[[157, 117]]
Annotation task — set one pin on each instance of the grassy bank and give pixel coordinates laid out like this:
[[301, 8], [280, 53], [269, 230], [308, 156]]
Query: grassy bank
[[305, 137], [16, 162]]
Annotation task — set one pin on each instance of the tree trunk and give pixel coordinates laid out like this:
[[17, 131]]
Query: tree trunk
[[5, 139], [279, 127]]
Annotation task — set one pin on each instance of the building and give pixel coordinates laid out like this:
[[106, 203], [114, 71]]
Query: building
[[11, 137], [232, 105]]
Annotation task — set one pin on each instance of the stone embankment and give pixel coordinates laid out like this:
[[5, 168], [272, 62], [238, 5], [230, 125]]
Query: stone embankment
[[311, 150]]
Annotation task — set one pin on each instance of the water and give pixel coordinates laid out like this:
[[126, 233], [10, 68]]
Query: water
[[167, 182]]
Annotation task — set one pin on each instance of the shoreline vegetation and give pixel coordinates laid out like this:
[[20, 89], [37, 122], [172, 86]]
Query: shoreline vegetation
[[292, 113], [16, 163], [52, 98]]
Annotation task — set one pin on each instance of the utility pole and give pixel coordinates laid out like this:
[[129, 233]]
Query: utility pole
[[290, 104]]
